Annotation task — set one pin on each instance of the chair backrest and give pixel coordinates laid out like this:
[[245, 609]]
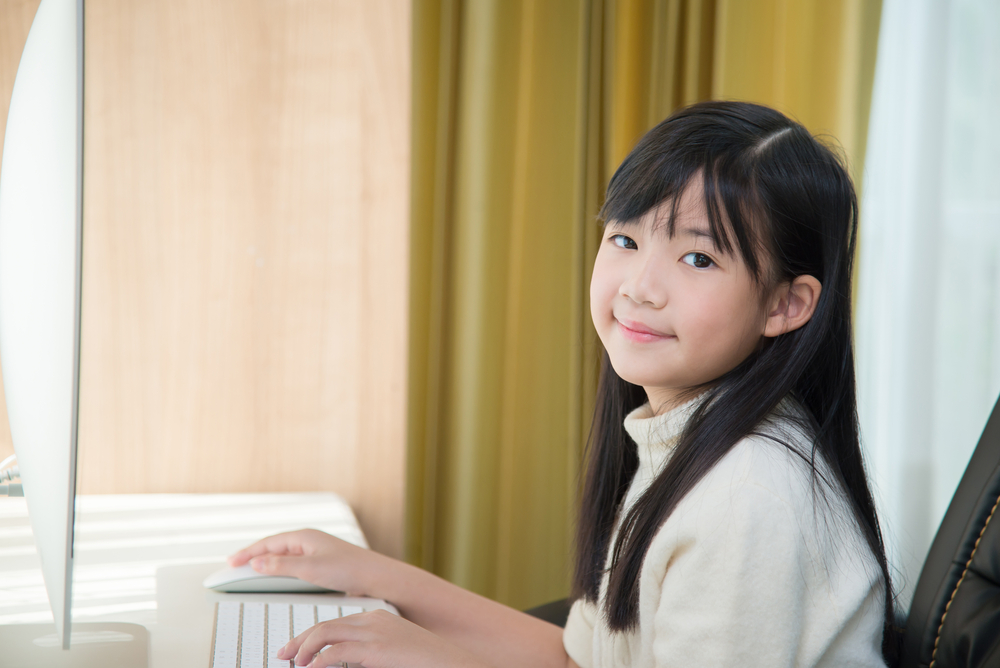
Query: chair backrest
[[954, 619]]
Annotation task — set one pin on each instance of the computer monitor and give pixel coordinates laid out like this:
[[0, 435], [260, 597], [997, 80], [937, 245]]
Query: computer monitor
[[40, 275], [40, 219]]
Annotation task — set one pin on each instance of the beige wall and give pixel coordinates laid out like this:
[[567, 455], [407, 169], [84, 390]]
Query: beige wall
[[245, 247]]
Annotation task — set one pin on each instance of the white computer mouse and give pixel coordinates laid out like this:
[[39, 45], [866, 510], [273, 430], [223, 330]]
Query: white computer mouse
[[244, 579]]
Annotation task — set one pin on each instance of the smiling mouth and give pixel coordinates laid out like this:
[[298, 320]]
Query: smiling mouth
[[639, 333]]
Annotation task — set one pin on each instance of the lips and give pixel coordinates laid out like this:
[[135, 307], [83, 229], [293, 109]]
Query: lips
[[640, 333]]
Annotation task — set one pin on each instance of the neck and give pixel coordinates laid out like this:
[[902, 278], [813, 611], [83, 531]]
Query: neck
[[664, 399]]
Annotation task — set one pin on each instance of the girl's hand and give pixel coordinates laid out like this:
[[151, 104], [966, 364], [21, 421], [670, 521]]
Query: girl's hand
[[315, 557], [376, 639]]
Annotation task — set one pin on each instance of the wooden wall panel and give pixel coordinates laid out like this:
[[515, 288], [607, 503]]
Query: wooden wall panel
[[245, 250]]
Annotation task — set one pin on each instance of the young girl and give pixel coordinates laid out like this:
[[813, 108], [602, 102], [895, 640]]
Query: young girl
[[726, 519]]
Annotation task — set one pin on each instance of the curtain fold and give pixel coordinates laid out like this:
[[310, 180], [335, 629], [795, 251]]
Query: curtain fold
[[811, 59], [661, 58], [507, 135], [521, 112]]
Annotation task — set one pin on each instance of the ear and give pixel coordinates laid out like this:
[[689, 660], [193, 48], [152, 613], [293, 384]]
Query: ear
[[792, 305]]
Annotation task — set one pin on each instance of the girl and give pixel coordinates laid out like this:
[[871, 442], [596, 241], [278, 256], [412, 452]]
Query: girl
[[726, 518]]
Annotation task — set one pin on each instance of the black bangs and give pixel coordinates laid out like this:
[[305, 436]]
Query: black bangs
[[692, 145]]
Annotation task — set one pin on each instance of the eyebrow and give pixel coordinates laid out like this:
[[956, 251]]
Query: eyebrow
[[697, 232]]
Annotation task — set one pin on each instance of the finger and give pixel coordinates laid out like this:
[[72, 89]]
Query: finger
[[260, 547], [342, 652], [314, 639], [292, 647], [304, 568], [282, 543]]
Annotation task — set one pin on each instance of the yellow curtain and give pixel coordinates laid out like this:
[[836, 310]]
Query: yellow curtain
[[521, 111], [812, 59], [504, 179]]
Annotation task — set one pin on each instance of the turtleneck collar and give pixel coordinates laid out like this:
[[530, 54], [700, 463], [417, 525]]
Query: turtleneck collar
[[656, 437], [659, 431]]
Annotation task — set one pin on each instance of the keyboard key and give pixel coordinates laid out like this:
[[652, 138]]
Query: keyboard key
[[278, 632], [325, 613], [252, 637], [227, 635], [350, 610], [303, 617]]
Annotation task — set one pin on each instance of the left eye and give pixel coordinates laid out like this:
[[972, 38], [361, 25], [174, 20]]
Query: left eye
[[699, 260]]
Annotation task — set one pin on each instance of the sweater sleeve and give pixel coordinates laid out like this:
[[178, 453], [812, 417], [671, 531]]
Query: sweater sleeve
[[578, 635], [740, 580]]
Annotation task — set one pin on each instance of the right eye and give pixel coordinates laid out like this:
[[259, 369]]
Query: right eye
[[623, 241]]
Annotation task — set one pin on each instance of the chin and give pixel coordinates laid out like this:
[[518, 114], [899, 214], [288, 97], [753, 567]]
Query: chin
[[636, 374]]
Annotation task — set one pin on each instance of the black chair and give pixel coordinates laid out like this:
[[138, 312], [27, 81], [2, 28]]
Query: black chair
[[555, 612], [954, 619]]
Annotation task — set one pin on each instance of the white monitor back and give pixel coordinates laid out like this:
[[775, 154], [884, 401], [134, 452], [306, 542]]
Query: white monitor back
[[40, 214]]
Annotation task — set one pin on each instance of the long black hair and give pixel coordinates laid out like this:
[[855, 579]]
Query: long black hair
[[785, 203]]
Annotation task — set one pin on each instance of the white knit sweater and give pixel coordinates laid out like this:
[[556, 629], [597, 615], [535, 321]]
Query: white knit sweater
[[753, 567]]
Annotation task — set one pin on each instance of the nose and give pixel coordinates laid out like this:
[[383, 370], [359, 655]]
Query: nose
[[646, 283]]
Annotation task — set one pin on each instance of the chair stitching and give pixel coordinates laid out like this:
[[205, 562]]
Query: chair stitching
[[937, 635]]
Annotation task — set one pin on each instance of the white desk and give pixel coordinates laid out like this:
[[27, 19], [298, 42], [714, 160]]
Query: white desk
[[141, 559]]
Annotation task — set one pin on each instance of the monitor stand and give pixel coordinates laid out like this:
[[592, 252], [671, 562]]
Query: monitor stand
[[92, 645]]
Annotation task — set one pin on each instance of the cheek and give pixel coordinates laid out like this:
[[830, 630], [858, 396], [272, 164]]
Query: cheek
[[737, 325], [603, 289], [726, 317]]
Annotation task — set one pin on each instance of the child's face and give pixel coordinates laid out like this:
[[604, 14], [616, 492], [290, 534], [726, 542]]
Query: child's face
[[673, 313]]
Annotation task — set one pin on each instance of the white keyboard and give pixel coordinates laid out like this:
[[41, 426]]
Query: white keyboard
[[248, 635]]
